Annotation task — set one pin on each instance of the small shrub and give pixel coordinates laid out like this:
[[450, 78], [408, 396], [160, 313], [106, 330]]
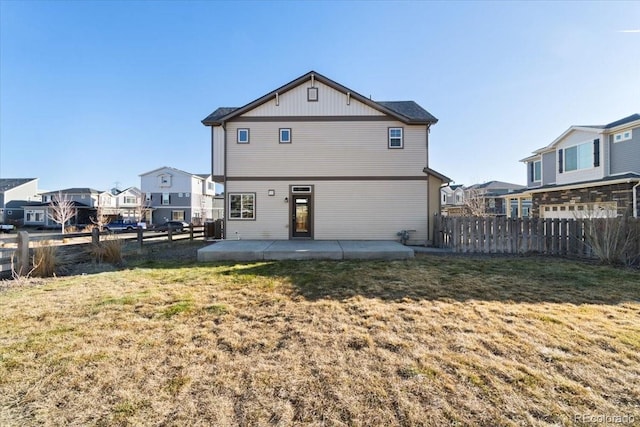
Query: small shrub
[[108, 250], [612, 240], [44, 260]]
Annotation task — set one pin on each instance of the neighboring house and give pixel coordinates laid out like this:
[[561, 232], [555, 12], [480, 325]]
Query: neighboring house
[[316, 160], [486, 199], [452, 199], [131, 204], [588, 170], [175, 195], [85, 201], [14, 193]]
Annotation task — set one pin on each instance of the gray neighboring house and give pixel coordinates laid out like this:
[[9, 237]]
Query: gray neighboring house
[[589, 168], [14, 194], [175, 195], [455, 198], [85, 201]]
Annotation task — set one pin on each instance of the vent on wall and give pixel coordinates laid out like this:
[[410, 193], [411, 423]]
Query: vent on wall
[[312, 94], [305, 189]]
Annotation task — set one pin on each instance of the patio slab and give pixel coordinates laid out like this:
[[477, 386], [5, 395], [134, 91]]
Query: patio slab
[[259, 250], [304, 249], [234, 250], [375, 249]]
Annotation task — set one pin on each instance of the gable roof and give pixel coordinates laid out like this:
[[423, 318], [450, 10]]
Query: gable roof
[[496, 185], [588, 128], [10, 183], [629, 119], [405, 111], [77, 190]]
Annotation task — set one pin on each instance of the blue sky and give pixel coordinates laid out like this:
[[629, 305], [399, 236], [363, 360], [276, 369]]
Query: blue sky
[[92, 94]]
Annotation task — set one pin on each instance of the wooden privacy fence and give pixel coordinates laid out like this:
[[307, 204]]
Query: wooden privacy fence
[[566, 237]]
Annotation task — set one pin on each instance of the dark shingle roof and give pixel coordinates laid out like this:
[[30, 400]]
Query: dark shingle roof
[[9, 183], [631, 118], [218, 114], [74, 191], [409, 109]]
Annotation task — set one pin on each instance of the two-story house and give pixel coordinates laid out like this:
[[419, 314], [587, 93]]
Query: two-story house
[[452, 199], [316, 160], [588, 170], [14, 194], [175, 195], [130, 204]]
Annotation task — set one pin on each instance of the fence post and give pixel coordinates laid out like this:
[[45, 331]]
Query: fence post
[[23, 253], [169, 234], [436, 230], [191, 232], [140, 239], [95, 236]]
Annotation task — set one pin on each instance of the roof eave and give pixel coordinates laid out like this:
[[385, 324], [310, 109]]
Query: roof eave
[[325, 80]]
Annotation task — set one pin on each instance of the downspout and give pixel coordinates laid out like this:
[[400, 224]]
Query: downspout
[[634, 191], [224, 183], [430, 231]]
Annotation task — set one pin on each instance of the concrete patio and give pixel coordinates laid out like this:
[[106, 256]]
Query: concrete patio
[[261, 250]]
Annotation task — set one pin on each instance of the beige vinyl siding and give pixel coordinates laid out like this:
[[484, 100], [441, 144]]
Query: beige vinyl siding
[[327, 149], [272, 213], [217, 151], [358, 210], [330, 103]]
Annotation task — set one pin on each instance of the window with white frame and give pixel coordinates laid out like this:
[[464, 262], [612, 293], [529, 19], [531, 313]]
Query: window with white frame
[[622, 136], [166, 198], [243, 136], [129, 200], [578, 157], [242, 206], [395, 138], [35, 216], [147, 197], [164, 180], [177, 215], [285, 136]]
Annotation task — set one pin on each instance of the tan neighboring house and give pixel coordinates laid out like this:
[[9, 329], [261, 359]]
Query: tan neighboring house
[[316, 160]]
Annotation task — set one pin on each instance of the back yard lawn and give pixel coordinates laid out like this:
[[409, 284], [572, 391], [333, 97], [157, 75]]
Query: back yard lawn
[[431, 341]]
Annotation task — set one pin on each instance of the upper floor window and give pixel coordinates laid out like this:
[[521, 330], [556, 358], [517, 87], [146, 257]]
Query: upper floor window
[[164, 180], [582, 156], [129, 200], [395, 138], [166, 199], [536, 171], [622, 136], [285, 136], [243, 136]]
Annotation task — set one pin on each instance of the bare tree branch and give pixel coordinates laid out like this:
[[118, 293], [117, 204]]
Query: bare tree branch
[[61, 210]]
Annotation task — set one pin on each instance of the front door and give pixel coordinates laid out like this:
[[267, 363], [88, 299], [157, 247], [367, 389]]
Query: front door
[[301, 215]]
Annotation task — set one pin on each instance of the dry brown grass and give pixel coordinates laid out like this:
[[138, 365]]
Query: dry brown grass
[[432, 341], [45, 260]]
